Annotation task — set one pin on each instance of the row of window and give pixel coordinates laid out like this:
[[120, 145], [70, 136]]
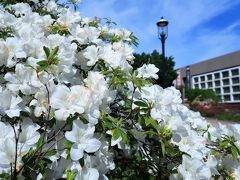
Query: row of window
[[217, 75], [226, 83], [235, 97]]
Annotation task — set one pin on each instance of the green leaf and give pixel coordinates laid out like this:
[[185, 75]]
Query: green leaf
[[5, 176], [41, 68], [29, 154], [148, 120], [40, 141], [53, 52], [124, 136], [107, 125], [141, 103], [46, 160], [163, 148], [209, 136], [46, 50], [70, 175], [68, 144], [234, 152], [50, 153], [43, 63], [116, 133], [224, 144]]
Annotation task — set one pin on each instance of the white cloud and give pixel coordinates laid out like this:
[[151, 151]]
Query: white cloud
[[189, 41], [107, 9]]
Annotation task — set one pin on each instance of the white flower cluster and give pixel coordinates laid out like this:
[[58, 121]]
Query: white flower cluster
[[188, 134], [52, 95]]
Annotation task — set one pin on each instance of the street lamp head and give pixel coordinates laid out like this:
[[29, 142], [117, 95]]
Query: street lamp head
[[162, 22], [162, 25]]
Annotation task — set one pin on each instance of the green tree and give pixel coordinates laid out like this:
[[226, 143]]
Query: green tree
[[166, 74]]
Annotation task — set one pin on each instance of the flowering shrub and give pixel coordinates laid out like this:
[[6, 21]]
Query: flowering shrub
[[72, 107]]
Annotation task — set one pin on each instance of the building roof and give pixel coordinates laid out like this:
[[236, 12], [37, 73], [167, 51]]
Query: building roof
[[214, 64]]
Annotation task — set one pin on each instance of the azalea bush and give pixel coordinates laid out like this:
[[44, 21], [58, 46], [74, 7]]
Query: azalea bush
[[72, 106]]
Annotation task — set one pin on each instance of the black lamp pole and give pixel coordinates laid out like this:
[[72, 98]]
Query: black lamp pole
[[162, 25]]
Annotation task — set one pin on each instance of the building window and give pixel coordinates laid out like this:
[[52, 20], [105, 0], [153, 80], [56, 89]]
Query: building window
[[202, 78], [209, 77], [235, 72], [203, 86], [226, 82], [218, 90], [226, 90], [226, 97], [216, 75], [217, 83], [196, 79], [225, 74], [210, 84], [236, 97], [236, 88], [235, 80]]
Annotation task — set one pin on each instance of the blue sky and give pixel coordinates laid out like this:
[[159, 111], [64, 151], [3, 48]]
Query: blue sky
[[198, 29]]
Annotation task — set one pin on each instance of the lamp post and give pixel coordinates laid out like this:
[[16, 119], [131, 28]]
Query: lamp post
[[162, 26]]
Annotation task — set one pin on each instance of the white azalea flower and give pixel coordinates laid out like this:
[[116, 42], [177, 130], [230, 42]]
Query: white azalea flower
[[212, 164], [10, 50], [24, 79], [82, 137], [6, 131], [85, 34], [7, 155], [9, 103], [91, 53], [122, 32], [125, 49], [87, 174], [67, 101], [193, 169], [29, 135], [148, 71]]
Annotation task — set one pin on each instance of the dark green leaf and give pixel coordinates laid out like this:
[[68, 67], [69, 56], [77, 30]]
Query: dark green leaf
[[141, 103], [81, 161], [4, 176], [46, 50], [42, 63], [50, 153]]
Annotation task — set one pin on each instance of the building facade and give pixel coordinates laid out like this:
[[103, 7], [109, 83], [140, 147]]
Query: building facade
[[221, 74]]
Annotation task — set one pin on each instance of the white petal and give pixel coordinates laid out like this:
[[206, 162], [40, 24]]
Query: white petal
[[61, 114], [92, 145], [13, 113], [88, 174], [76, 152], [70, 136]]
